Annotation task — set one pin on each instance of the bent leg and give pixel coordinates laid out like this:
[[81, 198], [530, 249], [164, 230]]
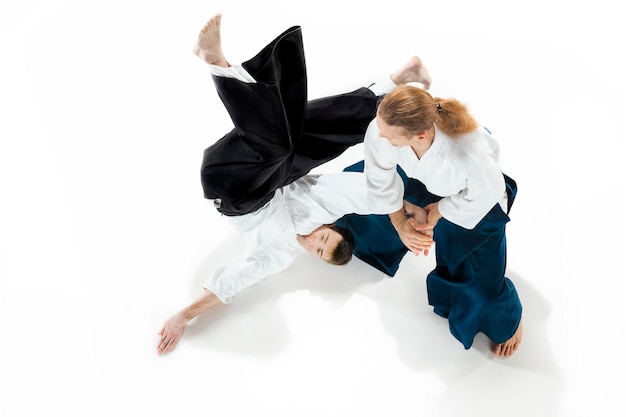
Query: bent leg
[[244, 168], [332, 125], [268, 113], [281, 64]]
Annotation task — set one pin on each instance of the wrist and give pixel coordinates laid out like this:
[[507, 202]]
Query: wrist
[[187, 314], [398, 218]]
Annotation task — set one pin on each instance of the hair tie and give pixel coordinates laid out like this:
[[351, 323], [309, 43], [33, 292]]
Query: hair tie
[[438, 107]]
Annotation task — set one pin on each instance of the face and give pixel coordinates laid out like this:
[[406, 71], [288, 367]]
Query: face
[[321, 242], [396, 135]]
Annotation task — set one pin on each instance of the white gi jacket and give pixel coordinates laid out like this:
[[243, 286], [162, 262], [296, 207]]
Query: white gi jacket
[[270, 232], [463, 170]]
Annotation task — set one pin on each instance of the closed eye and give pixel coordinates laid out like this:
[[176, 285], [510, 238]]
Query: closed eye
[[321, 251]]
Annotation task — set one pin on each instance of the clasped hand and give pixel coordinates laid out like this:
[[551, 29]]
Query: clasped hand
[[416, 229]]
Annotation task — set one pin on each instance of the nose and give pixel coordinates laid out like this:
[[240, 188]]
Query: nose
[[317, 240]]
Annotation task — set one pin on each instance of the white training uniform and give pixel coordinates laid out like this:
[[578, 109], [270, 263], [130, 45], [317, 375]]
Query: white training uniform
[[463, 170], [297, 208], [270, 232]]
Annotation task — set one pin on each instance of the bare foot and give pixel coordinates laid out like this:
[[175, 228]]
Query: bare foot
[[412, 72], [209, 45], [507, 348], [171, 333]]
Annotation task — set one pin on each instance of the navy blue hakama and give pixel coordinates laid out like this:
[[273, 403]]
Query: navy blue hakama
[[468, 285]]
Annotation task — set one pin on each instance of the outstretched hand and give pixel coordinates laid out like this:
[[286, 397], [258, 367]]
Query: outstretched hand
[[171, 333], [173, 328]]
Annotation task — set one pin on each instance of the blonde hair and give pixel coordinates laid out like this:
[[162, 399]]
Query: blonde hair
[[416, 110]]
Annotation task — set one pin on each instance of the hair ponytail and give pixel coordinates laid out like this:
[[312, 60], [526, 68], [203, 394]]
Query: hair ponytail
[[416, 110], [453, 118]]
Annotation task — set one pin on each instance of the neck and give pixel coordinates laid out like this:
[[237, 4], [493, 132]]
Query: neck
[[421, 143]]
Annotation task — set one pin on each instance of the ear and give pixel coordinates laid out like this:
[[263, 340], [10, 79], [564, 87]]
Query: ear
[[421, 135]]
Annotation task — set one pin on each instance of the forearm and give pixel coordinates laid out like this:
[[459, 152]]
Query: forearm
[[206, 301], [384, 185], [398, 218]]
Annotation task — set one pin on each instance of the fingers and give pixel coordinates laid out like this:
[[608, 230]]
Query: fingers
[[163, 343], [169, 339], [414, 224], [420, 240], [167, 344], [423, 227], [417, 247], [162, 346]]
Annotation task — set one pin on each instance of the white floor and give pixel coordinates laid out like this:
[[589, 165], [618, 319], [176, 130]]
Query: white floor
[[104, 232]]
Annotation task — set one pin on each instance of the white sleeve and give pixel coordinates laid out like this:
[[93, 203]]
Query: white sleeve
[[484, 188], [228, 281], [342, 193], [234, 71], [384, 185], [382, 86]]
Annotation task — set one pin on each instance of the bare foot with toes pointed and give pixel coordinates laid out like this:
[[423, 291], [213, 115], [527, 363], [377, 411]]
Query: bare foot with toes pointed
[[507, 348], [413, 71], [209, 45]]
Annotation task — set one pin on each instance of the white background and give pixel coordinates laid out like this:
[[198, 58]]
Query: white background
[[104, 232]]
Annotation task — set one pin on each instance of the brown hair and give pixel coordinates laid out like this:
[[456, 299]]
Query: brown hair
[[343, 252], [416, 110]]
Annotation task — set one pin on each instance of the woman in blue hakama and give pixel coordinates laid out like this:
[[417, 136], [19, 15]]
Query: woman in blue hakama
[[456, 179]]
